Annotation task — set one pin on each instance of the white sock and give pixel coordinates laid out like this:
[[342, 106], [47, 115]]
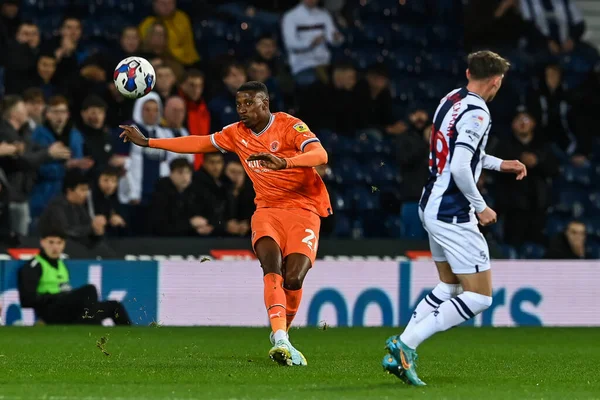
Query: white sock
[[441, 293], [280, 335], [451, 313]]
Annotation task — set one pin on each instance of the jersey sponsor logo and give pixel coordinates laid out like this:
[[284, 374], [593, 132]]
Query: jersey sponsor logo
[[455, 110], [470, 132], [300, 127], [274, 146]]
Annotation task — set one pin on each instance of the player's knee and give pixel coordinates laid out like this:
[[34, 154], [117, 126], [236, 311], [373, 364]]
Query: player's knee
[[292, 281]]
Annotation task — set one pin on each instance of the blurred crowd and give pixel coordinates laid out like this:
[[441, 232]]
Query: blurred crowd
[[365, 76]]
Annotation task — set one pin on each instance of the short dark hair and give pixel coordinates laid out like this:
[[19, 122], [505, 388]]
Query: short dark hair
[[51, 231], [267, 36], [228, 66], [254, 86], [344, 66], [74, 178], [93, 101], [379, 69], [213, 154], [57, 101], [486, 64], [192, 73], [33, 94], [180, 163], [8, 104], [69, 17], [111, 171]]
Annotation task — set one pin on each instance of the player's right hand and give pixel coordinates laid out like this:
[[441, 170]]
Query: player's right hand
[[487, 217], [132, 134]]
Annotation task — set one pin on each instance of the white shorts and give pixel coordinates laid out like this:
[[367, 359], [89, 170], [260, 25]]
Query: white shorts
[[461, 245]]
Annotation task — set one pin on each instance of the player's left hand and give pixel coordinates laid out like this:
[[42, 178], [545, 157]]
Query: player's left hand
[[515, 167], [269, 161]]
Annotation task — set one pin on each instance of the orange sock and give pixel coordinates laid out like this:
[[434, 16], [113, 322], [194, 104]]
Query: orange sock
[[275, 301], [292, 298]]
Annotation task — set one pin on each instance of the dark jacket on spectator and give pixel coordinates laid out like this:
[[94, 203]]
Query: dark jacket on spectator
[[242, 205], [559, 249], [336, 109], [553, 113], [20, 63], [530, 193], [413, 158], [170, 211], [7, 236], [21, 170], [222, 111], [377, 112], [68, 66], [97, 144], [73, 220], [101, 204], [214, 198]]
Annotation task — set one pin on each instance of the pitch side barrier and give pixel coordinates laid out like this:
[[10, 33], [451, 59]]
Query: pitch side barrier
[[336, 293], [158, 249]]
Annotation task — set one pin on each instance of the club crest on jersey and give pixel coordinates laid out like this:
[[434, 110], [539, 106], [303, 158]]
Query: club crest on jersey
[[300, 127], [274, 146]]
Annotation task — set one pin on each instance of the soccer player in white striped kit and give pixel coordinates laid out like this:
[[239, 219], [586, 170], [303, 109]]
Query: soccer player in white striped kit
[[450, 208]]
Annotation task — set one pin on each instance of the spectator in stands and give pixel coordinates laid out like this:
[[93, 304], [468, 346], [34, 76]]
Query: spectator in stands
[[175, 208], [586, 103], [165, 82], [213, 191], [21, 166], [307, 30], [68, 213], [524, 211], [374, 91], [198, 116], [103, 200], [549, 102], [67, 49], [412, 154], [53, 299], [266, 49], [56, 129], [9, 20], [130, 43], [97, 141], [222, 108], [45, 76], [155, 43], [569, 245], [179, 30], [497, 25], [242, 199], [146, 165], [174, 120], [560, 22], [20, 58], [259, 70], [337, 108], [8, 237], [35, 104]]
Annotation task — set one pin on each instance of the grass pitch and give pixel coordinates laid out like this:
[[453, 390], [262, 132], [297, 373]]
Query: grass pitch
[[68, 363]]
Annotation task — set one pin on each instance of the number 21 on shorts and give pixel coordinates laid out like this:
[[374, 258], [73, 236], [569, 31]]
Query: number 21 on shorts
[[309, 239]]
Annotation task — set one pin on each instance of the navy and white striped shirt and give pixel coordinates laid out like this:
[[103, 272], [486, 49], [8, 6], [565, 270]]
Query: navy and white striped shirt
[[461, 125]]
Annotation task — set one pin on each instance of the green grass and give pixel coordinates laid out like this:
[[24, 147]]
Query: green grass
[[63, 363]]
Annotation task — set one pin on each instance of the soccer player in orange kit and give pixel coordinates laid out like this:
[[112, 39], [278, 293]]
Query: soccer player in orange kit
[[278, 152]]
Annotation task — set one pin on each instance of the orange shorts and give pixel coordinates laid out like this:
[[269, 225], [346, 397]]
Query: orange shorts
[[295, 231]]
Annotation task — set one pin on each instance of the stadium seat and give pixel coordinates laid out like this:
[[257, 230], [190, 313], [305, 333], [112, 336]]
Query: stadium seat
[[532, 251], [592, 226], [594, 205], [509, 252], [365, 198], [556, 223], [393, 226], [570, 199], [413, 228], [343, 225], [575, 174]]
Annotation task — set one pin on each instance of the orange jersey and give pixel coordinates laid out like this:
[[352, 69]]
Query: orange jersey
[[284, 136]]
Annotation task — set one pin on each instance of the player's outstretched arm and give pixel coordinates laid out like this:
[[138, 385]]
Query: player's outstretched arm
[[508, 166], [184, 144], [314, 156]]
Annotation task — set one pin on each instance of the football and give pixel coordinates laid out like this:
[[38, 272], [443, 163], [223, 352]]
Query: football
[[134, 77]]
